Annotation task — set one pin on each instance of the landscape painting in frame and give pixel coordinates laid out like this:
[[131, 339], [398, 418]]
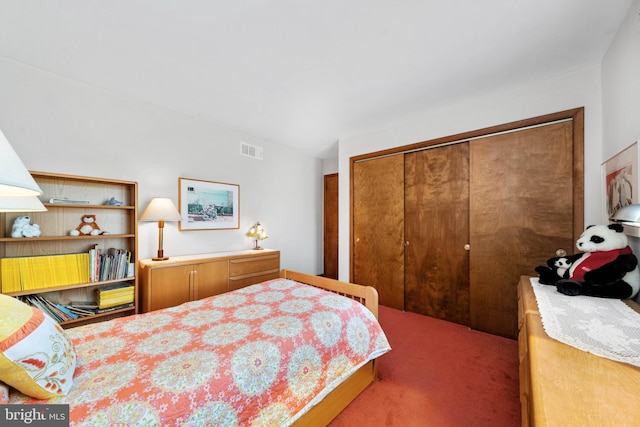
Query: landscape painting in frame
[[207, 205], [621, 179]]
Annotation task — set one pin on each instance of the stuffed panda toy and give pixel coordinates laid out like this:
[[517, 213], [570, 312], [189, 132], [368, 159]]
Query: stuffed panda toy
[[559, 267], [606, 267]]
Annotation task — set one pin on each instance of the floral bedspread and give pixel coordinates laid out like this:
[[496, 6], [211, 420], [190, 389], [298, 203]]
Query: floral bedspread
[[261, 355]]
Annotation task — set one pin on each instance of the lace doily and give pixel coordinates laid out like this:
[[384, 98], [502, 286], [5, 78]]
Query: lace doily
[[601, 326]]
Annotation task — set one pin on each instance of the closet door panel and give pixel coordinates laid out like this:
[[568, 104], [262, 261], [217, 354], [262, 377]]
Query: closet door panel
[[437, 230], [521, 211], [378, 227]]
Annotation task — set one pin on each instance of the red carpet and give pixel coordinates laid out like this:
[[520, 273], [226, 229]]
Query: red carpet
[[439, 374]]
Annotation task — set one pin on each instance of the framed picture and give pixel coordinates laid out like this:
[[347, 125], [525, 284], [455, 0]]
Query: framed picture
[[207, 205], [621, 179]]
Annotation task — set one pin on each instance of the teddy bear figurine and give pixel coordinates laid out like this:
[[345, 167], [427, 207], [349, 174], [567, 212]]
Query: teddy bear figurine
[[22, 227], [88, 227]]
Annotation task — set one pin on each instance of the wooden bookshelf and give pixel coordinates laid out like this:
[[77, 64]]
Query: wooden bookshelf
[[121, 222]]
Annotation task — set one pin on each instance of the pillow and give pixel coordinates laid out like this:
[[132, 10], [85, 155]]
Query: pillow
[[36, 357], [4, 394]]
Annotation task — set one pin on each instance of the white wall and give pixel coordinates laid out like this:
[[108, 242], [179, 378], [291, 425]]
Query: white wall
[[621, 86], [621, 91], [60, 125], [578, 89], [330, 166]]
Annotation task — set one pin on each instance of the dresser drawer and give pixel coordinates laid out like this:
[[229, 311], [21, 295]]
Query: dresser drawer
[[238, 282], [257, 264], [250, 270]]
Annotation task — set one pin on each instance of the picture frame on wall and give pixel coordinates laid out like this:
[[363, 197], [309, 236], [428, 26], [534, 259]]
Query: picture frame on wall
[[208, 205], [620, 179]]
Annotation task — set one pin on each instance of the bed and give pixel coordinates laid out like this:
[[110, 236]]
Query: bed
[[290, 351]]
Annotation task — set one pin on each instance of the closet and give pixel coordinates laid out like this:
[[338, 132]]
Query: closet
[[446, 228]]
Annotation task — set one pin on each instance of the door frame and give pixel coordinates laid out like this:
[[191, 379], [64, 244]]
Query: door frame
[[575, 114]]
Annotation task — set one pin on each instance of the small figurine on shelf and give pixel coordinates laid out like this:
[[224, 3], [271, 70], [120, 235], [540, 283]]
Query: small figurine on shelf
[[113, 202], [22, 227], [88, 227]]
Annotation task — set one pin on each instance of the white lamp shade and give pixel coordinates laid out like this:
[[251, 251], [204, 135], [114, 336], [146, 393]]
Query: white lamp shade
[[161, 209], [15, 179], [628, 215], [21, 204]]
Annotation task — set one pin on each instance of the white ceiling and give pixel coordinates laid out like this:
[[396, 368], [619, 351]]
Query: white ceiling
[[305, 73]]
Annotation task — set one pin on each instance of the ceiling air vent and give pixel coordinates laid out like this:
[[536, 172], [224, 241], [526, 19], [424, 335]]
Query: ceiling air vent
[[251, 150]]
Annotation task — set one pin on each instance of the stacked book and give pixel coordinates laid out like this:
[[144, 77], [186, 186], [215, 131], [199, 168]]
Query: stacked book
[[58, 312], [38, 272], [115, 296]]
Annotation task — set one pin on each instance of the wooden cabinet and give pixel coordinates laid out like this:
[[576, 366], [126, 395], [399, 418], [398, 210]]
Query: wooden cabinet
[[210, 278], [173, 284], [186, 278], [561, 385], [68, 199]]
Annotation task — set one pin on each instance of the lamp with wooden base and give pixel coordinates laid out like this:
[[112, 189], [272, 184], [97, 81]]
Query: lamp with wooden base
[[160, 209]]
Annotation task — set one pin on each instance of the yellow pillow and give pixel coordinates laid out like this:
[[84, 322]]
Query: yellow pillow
[[36, 356]]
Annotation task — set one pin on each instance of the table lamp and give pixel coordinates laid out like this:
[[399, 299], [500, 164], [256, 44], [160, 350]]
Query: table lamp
[[256, 232], [629, 217], [21, 204], [160, 209], [15, 179], [18, 190]]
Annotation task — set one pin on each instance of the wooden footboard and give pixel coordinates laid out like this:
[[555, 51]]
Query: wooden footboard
[[339, 398], [343, 395], [367, 295]]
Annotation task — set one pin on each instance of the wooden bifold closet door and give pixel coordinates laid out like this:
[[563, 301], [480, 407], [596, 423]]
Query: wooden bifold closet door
[[436, 231], [522, 212], [378, 228], [448, 231]]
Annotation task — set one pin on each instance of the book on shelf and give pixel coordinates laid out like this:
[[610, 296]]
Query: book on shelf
[[115, 288], [21, 274], [114, 308], [81, 312], [85, 305], [111, 264], [109, 296], [69, 201], [116, 301], [41, 272], [65, 312], [57, 312]]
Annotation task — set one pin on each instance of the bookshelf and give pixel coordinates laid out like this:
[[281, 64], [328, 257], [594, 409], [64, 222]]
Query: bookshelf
[[62, 216]]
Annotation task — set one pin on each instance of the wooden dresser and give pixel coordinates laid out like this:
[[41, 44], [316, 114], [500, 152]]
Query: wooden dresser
[[561, 385], [186, 278]]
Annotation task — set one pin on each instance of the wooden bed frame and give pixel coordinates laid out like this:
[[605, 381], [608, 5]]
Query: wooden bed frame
[[339, 398], [325, 411]]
